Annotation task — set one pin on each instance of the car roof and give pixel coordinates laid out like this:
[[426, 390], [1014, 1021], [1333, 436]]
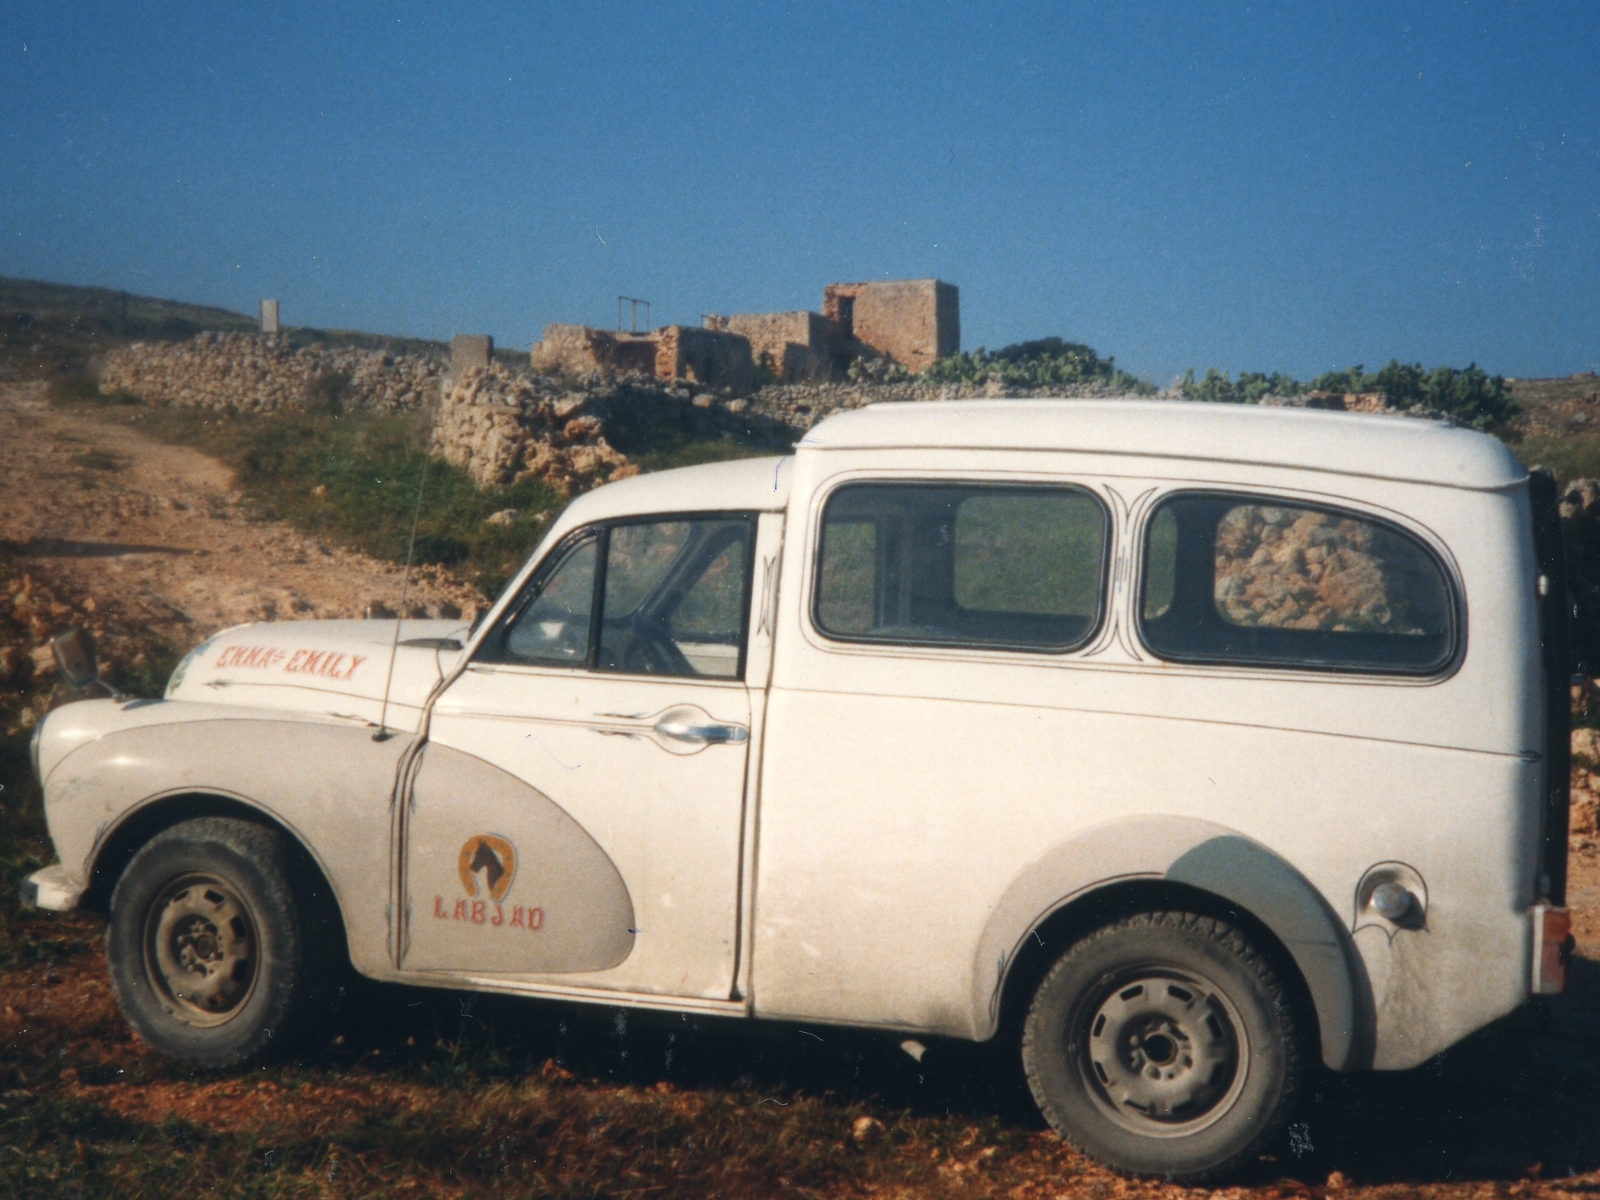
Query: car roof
[[739, 485], [1373, 445]]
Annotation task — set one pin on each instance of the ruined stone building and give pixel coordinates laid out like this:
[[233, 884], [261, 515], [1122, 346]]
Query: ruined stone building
[[907, 321], [912, 321], [790, 345]]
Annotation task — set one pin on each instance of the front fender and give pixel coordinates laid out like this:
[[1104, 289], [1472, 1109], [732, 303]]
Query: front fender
[[328, 785], [1200, 855]]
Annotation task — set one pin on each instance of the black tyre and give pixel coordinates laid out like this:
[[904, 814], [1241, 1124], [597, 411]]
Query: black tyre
[[207, 947], [1164, 1045]]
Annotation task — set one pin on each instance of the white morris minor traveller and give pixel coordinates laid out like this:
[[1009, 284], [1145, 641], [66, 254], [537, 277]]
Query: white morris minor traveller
[[1184, 745]]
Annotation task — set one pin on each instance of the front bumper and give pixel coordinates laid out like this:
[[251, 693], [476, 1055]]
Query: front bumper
[[53, 888]]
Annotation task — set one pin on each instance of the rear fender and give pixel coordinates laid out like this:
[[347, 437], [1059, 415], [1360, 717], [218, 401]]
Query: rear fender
[[1198, 855]]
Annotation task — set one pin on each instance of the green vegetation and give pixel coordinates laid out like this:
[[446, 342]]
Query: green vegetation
[[1029, 552], [1468, 395], [1570, 456], [1037, 363], [659, 437], [1249, 388]]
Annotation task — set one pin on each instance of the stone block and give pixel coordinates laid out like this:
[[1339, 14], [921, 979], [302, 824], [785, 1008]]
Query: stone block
[[469, 350], [269, 317]]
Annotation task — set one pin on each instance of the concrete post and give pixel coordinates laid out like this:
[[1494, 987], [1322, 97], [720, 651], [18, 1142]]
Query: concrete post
[[269, 316], [468, 350]]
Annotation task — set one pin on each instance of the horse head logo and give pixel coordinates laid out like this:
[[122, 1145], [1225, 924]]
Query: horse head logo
[[495, 857]]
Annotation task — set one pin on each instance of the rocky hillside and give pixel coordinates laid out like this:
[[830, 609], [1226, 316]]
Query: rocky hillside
[[1553, 407]]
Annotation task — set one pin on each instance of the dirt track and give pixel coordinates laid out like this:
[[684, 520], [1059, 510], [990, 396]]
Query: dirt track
[[159, 535]]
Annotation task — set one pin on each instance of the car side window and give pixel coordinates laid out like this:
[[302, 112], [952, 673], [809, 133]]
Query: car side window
[[553, 627], [1233, 579], [676, 597], [675, 601], [961, 564]]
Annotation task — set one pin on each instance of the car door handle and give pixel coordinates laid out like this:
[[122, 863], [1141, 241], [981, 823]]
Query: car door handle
[[691, 725]]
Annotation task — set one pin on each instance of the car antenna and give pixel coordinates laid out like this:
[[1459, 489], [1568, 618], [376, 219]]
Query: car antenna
[[405, 587]]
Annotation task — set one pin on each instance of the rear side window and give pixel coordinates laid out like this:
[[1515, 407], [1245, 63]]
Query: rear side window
[[973, 564], [1233, 579]]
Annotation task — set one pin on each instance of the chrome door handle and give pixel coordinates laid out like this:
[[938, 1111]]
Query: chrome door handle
[[692, 726]]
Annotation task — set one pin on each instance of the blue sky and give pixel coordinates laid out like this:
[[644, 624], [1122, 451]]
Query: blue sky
[[1250, 186]]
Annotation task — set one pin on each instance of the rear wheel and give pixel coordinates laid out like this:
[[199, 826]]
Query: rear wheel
[[1163, 1044], [207, 947]]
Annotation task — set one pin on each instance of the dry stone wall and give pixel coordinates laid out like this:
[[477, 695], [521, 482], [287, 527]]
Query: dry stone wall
[[503, 427], [250, 372]]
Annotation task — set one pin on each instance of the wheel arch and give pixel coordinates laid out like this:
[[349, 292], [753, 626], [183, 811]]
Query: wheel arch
[[1187, 865], [328, 787], [117, 846]]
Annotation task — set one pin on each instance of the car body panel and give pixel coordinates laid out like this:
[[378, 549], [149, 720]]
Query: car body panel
[[328, 783], [902, 819]]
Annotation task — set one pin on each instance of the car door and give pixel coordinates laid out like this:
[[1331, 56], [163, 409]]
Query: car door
[[577, 810]]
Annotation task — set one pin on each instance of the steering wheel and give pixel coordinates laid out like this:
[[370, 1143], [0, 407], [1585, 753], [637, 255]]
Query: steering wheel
[[651, 652]]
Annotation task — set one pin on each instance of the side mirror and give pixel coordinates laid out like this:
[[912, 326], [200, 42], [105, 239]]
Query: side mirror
[[74, 651]]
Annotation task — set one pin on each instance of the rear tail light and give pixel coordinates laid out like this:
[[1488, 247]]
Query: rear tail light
[[1552, 946]]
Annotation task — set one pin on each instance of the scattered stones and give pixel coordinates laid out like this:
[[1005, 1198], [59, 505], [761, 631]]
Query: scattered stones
[[504, 517]]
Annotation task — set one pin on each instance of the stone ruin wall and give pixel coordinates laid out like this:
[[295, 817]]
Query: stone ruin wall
[[259, 373], [790, 346], [579, 349], [711, 357], [912, 321], [707, 356]]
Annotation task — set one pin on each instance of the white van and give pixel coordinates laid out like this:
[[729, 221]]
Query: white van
[[1182, 744]]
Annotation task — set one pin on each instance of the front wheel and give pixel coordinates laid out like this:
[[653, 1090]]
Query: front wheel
[[207, 947], [1163, 1044]]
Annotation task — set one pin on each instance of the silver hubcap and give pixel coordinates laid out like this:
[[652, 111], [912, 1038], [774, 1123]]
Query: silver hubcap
[[200, 949], [1163, 1051]]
